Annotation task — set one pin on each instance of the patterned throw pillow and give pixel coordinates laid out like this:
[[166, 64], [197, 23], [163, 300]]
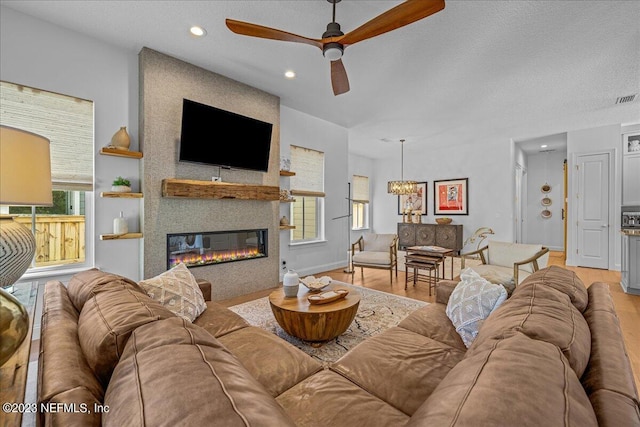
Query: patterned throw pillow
[[472, 301], [178, 291]]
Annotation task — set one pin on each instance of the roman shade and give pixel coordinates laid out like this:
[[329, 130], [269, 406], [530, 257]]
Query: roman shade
[[309, 167], [360, 189], [66, 121]]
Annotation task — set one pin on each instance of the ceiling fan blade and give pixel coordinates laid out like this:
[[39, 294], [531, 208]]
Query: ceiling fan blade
[[399, 16], [247, 29], [339, 80]]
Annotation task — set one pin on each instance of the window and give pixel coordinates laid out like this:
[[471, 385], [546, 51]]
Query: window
[[360, 202], [60, 230], [307, 187]]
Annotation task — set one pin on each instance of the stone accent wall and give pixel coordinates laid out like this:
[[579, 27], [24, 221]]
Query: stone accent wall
[[164, 82]]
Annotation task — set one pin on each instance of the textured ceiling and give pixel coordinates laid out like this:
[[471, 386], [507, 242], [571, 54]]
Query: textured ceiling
[[478, 70]]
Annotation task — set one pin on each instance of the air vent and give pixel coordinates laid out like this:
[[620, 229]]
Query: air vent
[[626, 99], [548, 151]]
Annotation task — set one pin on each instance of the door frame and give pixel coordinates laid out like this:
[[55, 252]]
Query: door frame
[[520, 197], [573, 203]]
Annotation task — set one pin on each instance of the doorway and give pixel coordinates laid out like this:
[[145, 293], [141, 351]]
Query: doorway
[[539, 196]]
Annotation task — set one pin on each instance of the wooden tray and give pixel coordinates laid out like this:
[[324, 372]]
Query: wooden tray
[[327, 297]]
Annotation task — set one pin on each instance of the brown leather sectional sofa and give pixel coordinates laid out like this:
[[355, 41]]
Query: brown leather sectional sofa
[[552, 354]]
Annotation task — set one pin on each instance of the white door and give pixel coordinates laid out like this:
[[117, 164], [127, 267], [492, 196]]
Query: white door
[[593, 210]]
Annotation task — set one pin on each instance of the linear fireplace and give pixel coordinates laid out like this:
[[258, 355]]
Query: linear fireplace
[[215, 247]]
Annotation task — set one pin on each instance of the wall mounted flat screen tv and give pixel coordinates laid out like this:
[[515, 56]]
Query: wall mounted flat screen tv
[[217, 137]]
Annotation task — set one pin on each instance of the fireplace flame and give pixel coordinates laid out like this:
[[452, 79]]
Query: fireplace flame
[[214, 257]]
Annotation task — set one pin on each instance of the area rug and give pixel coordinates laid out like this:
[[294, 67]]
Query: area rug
[[377, 311]]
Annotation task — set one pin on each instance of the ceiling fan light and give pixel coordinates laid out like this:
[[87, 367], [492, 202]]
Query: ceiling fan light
[[332, 51]]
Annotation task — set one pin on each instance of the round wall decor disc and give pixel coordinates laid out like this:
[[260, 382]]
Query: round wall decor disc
[[545, 188], [546, 201]]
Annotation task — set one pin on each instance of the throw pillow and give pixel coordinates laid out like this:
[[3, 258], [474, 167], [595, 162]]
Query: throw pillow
[[178, 291], [472, 301]]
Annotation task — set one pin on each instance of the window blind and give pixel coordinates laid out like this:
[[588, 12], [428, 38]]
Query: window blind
[[360, 189], [309, 168], [66, 121]]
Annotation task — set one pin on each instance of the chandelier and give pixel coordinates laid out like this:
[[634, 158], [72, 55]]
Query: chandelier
[[402, 186]]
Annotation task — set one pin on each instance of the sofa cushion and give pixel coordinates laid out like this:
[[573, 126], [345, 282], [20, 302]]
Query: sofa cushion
[[275, 363], [328, 399], [174, 373], [81, 285], [398, 366], [178, 291], [107, 320], [377, 242], [373, 258], [612, 390], [515, 382], [219, 321], [506, 253], [563, 280], [73, 408], [63, 372], [431, 321], [472, 301], [541, 313]]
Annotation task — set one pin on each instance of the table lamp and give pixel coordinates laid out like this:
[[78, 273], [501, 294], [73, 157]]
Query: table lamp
[[25, 180]]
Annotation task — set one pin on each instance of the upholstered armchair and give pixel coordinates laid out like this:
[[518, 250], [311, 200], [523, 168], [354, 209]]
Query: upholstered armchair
[[375, 251], [508, 263]]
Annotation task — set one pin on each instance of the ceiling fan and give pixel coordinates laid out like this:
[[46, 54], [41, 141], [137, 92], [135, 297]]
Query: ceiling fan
[[334, 41]]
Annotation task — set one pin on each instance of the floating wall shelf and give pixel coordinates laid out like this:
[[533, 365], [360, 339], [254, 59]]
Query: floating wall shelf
[[121, 195], [287, 227], [120, 236], [287, 173], [192, 189], [120, 153]]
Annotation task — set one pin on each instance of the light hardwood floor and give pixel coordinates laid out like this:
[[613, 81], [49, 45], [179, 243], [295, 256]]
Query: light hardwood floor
[[627, 306]]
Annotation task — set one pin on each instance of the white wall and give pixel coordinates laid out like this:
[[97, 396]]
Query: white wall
[[487, 165], [545, 168], [38, 54], [303, 130], [587, 141]]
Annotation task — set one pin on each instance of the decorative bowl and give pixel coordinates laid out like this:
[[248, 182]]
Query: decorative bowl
[[444, 221], [314, 284]]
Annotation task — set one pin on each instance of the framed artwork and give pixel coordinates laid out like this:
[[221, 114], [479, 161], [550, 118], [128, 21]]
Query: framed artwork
[[451, 197], [631, 143], [416, 201]]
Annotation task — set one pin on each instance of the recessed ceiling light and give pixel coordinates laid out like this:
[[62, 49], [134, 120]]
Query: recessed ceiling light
[[544, 146], [198, 31], [290, 74]]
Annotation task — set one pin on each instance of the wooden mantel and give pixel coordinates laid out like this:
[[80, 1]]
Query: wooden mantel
[[192, 189]]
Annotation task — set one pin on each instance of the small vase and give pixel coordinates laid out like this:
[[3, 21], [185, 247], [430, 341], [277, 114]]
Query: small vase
[[121, 140], [284, 221], [121, 189], [120, 225], [290, 283]]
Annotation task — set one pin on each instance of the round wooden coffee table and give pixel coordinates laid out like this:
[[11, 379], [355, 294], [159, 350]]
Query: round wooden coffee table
[[315, 323]]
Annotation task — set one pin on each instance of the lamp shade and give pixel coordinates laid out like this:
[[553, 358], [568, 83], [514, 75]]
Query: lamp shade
[[25, 168]]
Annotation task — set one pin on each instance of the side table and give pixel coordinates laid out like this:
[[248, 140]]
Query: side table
[[434, 252], [13, 374]]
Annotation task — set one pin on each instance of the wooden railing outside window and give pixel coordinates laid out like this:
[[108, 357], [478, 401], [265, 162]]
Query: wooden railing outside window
[[60, 239]]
